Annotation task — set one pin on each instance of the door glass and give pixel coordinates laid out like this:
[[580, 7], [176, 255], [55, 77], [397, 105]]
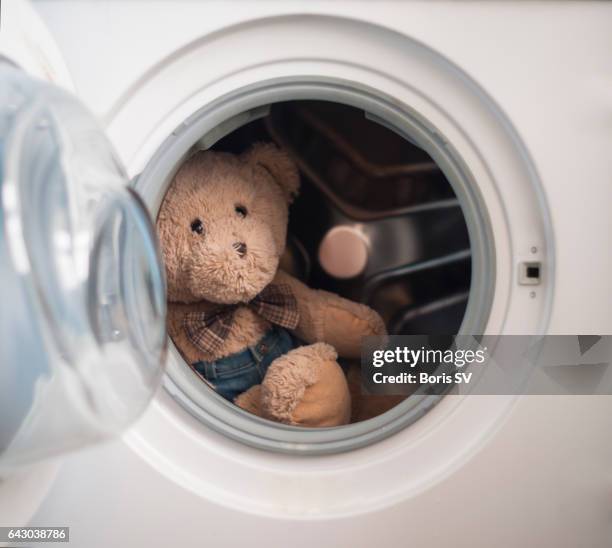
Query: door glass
[[82, 296]]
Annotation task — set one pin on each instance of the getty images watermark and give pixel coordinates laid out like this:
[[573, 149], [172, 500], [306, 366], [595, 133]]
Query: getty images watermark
[[486, 364]]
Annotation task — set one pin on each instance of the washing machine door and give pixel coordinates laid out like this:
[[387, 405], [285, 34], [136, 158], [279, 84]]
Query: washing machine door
[[26, 42], [82, 295]]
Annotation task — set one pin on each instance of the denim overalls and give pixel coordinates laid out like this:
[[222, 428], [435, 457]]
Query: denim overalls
[[233, 375]]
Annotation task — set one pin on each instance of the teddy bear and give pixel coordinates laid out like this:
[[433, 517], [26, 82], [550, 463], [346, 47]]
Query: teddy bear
[[258, 336]]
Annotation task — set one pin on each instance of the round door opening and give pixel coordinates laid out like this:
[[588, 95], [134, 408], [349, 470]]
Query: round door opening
[[386, 216], [375, 221]]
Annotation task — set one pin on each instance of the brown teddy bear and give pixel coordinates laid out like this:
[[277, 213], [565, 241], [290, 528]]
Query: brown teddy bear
[[260, 337]]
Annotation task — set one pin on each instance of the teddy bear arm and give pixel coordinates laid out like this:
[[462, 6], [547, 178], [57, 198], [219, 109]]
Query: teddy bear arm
[[327, 317]]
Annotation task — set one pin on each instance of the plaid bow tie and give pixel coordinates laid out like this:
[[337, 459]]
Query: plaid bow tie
[[208, 330]]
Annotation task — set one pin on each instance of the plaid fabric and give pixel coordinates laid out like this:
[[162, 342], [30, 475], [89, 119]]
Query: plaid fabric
[[208, 330]]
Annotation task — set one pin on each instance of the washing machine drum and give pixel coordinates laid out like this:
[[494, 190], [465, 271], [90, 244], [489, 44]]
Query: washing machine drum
[[82, 329], [376, 221], [389, 230]]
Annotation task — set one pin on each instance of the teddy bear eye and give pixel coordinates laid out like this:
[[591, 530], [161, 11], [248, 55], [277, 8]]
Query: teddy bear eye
[[197, 226], [241, 210]]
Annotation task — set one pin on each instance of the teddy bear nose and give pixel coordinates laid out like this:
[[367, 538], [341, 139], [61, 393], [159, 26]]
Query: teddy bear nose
[[241, 248]]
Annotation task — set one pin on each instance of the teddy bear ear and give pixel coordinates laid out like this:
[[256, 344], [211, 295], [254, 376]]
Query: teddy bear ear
[[278, 164]]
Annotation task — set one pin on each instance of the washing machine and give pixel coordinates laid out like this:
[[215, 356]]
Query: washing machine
[[460, 152]]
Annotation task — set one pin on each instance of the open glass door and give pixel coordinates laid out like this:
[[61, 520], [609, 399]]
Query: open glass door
[[82, 295]]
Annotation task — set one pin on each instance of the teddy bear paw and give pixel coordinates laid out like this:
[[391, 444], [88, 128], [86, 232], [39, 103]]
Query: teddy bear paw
[[306, 387]]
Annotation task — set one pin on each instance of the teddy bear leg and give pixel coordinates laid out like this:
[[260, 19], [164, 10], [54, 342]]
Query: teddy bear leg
[[306, 387], [250, 400]]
